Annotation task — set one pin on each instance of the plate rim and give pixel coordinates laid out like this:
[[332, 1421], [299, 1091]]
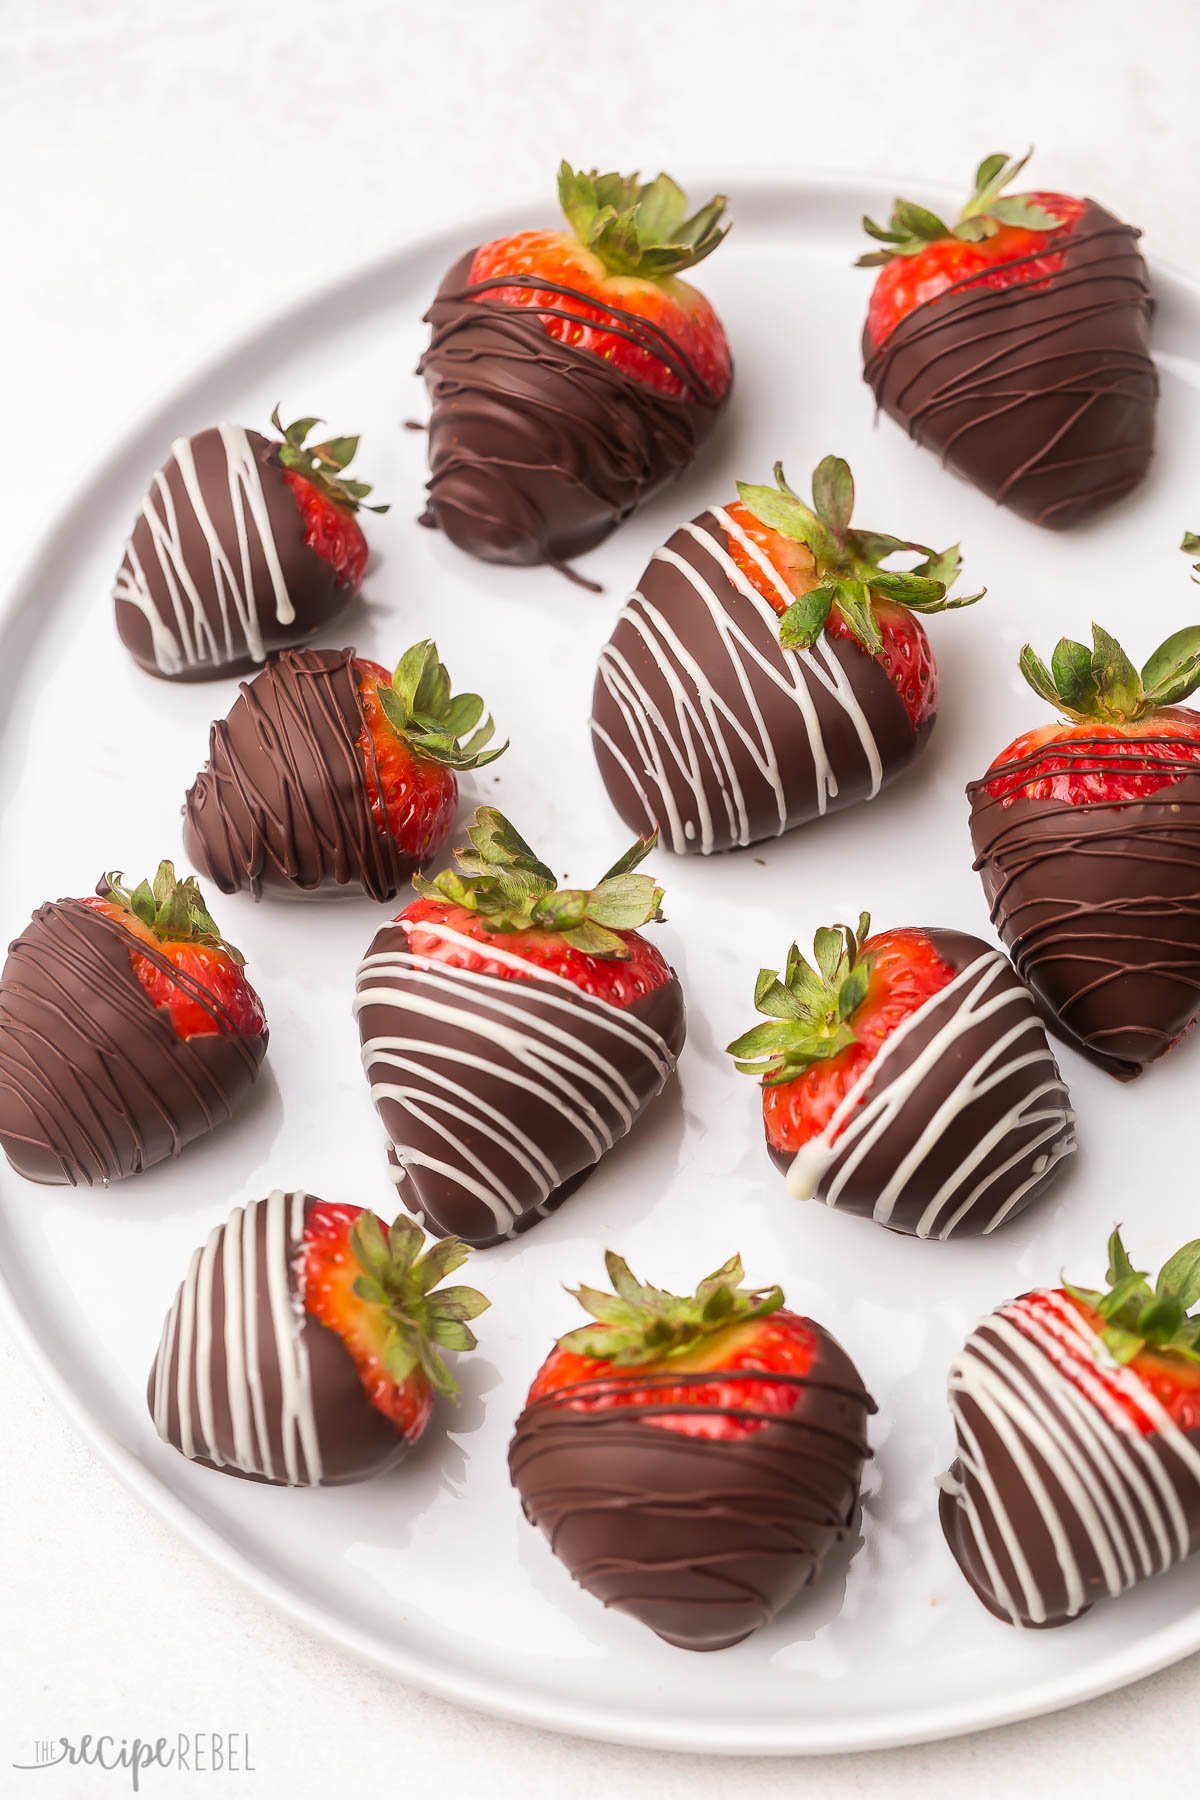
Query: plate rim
[[933, 1722]]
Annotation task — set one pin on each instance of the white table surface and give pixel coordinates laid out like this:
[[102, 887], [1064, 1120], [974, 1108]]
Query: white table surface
[[174, 167]]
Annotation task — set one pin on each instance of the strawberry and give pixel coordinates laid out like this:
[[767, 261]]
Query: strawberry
[[512, 1031], [1077, 1412], [623, 255], [999, 240], [502, 896], [327, 499], [906, 1078], [647, 1348], [828, 1022], [411, 747], [206, 990], [691, 1460], [572, 373], [377, 1288], [836, 583], [1086, 839], [1123, 738]]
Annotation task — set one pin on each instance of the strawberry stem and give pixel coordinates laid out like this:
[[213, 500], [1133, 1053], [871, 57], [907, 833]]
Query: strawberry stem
[[1135, 1315], [638, 228], [636, 1324], [421, 710], [848, 564], [809, 1011], [502, 879], [173, 908]]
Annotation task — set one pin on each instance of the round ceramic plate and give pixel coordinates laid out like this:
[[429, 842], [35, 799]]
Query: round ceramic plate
[[432, 1572]]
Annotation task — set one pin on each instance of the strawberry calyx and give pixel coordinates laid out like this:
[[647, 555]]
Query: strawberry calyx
[[1135, 1316], [1100, 686], [173, 910], [1191, 547], [501, 879], [911, 227], [420, 708], [399, 1281], [639, 228], [322, 465], [636, 1324], [810, 1009], [848, 572]]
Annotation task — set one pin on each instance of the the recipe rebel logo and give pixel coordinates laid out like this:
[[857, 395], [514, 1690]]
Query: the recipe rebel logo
[[194, 1753]]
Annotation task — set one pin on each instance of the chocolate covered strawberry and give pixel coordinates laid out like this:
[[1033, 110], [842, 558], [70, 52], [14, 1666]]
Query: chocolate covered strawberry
[[1077, 1414], [127, 1028], [906, 1077], [572, 373], [244, 545], [1014, 342], [330, 773], [692, 1460], [769, 668], [330, 1352], [1087, 836], [512, 1031]]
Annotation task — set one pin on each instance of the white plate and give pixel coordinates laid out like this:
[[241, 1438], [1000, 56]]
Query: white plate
[[432, 1572]]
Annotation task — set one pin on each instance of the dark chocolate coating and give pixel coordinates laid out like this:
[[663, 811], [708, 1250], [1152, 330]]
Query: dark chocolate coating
[[498, 1096], [704, 725], [538, 450], [95, 1083], [988, 1106], [702, 1539], [1100, 908], [1042, 393], [228, 547], [252, 1427], [282, 803], [1054, 1502]]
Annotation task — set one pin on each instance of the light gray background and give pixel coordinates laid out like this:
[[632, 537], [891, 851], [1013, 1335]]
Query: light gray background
[[174, 168]]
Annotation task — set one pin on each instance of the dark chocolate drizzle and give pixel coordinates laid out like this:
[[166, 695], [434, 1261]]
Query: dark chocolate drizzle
[[283, 801], [538, 450], [499, 1096], [1042, 393], [95, 1083], [706, 727], [1099, 905], [198, 601], [307, 1425], [702, 1539], [990, 1109]]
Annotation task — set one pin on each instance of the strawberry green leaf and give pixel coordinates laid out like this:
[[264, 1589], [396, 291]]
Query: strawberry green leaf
[[1135, 1315], [1191, 547], [421, 710], [173, 907], [639, 228], [1173, 672], [833, 493], [1071, 668], [805, 619], [912, 227], [810, 1010], [638, 1325], [1118, 683], [502, 879], [854, 604], [322, 464], [398, 1279], [1180, 1276]]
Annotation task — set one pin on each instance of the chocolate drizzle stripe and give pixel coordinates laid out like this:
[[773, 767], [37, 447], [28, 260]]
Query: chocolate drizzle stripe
[[539, 449], [701, 1538], [939, 1152], [284, 801], [1041, 392], [190, 635], [95, 1083], [685, 723], [644, 334], [1057, 1498], [1099, 904]]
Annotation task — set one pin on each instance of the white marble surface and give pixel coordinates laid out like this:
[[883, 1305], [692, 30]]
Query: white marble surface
[[175, 169]]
